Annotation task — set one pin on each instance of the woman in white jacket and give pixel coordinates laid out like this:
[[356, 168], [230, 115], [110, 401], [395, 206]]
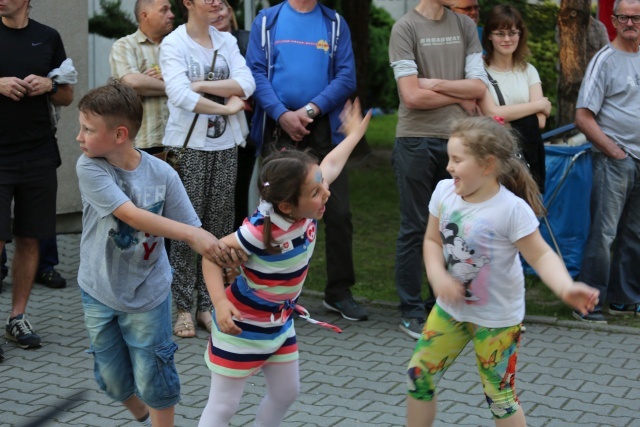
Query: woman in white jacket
[[208, 165]]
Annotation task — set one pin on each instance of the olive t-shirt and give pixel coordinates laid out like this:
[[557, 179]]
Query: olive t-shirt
[[439, 49]]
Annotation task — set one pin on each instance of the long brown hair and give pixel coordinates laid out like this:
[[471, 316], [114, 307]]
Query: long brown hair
[[485, 137], [504, 17], [282, 175]]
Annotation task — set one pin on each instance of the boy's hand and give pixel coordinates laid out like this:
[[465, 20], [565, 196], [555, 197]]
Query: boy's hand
[[225, 311], [230, 258], [582, 297], [207, 245], [351, 117]]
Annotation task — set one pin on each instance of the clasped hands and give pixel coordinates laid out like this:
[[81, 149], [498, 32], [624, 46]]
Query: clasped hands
[[32, 85]]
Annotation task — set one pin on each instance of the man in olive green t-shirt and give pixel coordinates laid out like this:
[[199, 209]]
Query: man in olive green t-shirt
[[437, 61]]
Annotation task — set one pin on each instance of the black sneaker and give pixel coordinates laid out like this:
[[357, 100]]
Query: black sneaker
[[412, 327], [51, 279], [20, 330], [594, 317], [1, 354], [348, 308], [624, 309]]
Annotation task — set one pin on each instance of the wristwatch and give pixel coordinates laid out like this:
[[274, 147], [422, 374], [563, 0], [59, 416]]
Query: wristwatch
[[54, 87], [310, 111]]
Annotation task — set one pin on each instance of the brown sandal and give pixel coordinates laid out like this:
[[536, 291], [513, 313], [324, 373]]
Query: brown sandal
[[184, 327]]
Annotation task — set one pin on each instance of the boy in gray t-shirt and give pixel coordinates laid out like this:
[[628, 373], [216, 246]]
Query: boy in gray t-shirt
[[131, 200]]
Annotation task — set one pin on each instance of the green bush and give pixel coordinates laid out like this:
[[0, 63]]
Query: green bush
[[382, 91], [541, 19], [112, 22]]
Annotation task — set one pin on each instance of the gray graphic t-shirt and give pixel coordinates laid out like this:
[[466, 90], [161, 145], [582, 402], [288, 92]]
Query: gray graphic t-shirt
[[123, 268]]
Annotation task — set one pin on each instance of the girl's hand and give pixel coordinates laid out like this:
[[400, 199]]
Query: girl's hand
[[351, 117], [195, 86], [235, 105], [225, 311], [449, 289], [580, 296], [545, 106]]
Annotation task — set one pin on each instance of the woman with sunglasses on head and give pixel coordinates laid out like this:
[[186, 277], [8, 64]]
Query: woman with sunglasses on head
[[205, 77], [516, 91]]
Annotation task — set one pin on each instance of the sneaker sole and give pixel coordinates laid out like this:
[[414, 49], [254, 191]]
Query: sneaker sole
[[329, 307], [10, 337], [412, 334], [580, 318], [623, 313]]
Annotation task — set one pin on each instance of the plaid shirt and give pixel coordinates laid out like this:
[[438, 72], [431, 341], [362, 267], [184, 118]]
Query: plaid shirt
[[135, 53]]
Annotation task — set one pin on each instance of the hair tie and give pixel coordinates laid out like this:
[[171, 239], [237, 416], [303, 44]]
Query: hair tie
[[265, 184], [499, 119], [265, 208]]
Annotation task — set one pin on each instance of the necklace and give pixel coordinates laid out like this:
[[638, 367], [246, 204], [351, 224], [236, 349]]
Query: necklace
[[495, 67]]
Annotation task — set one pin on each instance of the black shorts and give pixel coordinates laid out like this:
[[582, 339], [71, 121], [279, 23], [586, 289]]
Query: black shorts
[[32, 186]]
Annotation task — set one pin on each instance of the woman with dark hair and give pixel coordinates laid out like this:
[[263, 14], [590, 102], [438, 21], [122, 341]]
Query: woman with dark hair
[[516, 91], [205, 77]]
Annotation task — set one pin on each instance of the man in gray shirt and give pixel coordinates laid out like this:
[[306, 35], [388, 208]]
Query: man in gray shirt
[[437, 61], [607, 113]]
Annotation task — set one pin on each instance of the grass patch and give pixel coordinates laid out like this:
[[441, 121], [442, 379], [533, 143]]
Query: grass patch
[[376, 220], [382, 131]]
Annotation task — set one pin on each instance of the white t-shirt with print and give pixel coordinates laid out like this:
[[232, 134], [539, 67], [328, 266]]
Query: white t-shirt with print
[[478, 241]]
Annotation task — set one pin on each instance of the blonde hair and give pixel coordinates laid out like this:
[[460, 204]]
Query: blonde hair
[[484, 137]]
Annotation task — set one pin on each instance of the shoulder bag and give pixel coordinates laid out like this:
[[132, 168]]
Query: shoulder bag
[[529, 139]]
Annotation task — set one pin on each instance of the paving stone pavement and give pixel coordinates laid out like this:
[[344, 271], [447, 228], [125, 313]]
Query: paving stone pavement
[[567, 376]]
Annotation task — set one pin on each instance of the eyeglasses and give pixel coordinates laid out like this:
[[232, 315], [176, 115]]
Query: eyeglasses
[[502, 34], [623, 19], [221, 2], [468, 8]]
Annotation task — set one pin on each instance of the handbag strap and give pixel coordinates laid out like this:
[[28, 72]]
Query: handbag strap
[[494, 83], [195, 119]]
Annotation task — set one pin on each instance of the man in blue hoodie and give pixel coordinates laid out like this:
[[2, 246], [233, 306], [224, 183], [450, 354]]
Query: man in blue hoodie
[[301, 58]]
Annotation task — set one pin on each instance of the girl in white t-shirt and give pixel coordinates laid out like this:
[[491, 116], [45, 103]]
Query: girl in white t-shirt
[[517, 82], [478, 223]]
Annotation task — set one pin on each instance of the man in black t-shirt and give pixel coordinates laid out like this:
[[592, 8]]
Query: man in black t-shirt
[[28, 151]]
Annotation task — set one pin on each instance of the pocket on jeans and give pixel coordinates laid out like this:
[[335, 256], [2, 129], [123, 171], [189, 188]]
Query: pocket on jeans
[[167, 377]]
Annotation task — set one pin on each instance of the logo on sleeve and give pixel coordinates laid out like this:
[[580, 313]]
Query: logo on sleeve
[[311, 232]]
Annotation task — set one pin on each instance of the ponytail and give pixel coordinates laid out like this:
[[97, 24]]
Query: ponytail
[[519, 181]]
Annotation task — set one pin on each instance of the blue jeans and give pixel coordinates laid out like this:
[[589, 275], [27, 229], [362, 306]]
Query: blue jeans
[[615, 223], [419, 164], [133, 353]]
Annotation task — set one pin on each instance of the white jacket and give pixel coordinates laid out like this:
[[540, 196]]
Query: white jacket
[[175, 57]]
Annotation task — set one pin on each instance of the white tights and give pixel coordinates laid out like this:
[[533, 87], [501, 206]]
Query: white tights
[[283, 387]]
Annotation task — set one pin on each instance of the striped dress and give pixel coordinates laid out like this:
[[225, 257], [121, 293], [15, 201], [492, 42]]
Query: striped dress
[[265, 294]]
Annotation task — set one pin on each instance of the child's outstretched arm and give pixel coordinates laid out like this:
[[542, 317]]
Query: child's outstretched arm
[[200, 240], [354, 126], [444, 285], [554, 274], [225, 310]]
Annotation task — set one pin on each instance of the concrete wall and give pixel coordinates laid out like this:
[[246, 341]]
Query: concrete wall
[[69, 17]]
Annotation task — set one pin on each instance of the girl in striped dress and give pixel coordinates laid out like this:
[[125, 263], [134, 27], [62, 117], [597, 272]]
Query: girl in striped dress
[[253, 328]]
